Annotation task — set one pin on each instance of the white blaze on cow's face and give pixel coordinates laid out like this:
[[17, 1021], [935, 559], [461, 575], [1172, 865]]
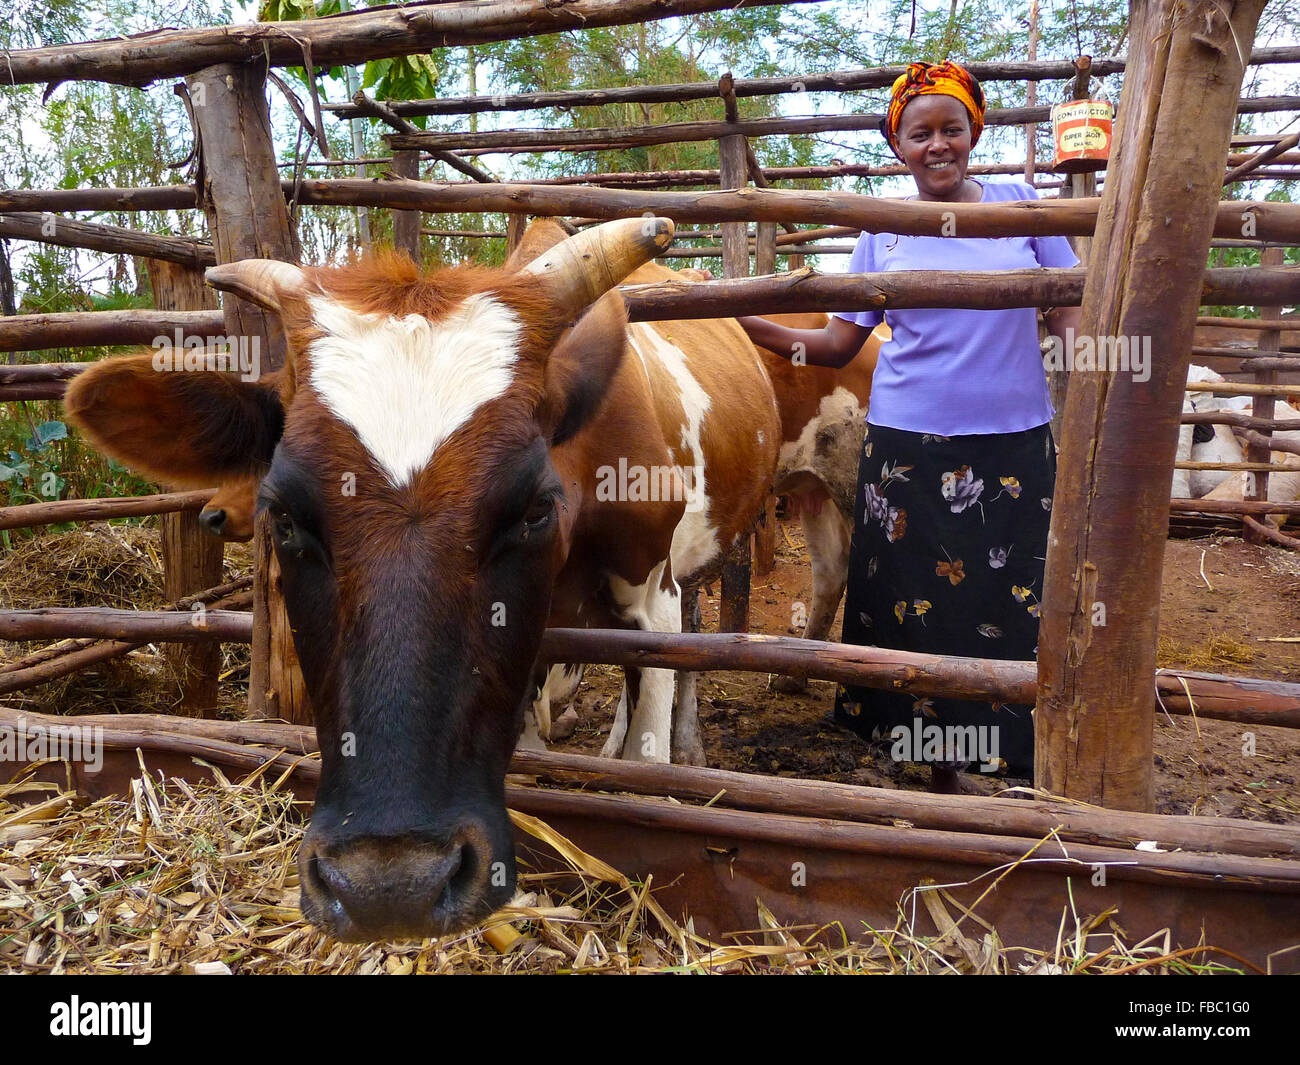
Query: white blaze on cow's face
[[406, 384]]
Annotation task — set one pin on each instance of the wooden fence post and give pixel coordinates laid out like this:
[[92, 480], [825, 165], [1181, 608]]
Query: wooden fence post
[[191, 556], [406, 224], [1263, 406], [765, 530], [240, 191], [733, 163], [516, 224], [1100, 609]]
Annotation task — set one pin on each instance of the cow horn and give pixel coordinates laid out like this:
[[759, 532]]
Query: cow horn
[[578, 271], [264, 281]]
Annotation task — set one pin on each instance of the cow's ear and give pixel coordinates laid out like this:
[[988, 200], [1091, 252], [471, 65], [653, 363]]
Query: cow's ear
[[190, 429], [582, 366]]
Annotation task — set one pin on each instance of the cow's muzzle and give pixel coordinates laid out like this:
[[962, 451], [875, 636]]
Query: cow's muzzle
[[401, 888]]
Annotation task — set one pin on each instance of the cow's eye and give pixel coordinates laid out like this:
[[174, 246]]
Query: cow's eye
[[539, 514], [282, 527]]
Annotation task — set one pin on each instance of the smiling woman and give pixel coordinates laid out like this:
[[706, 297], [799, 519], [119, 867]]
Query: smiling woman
[[956, 477]]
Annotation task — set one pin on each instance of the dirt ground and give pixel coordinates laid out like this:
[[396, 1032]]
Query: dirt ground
[[1224, 602]]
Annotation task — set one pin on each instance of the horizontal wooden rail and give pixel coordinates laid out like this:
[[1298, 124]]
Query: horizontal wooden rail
[[31, 515], [1271, 221], [27, 372], [806, 290], [70, 233], [802, 291], [1238, 467], [618, 138], [1231, 506], [351, 37], [109, 624], [1242, 699], [1248, 323], [834, 81], [1241, 420], [75, 329], [72, 656]]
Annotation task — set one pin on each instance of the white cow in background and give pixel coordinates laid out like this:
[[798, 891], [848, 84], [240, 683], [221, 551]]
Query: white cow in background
[[1224, 446]]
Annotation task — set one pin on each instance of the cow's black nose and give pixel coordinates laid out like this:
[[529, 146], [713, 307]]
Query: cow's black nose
[[389, 889], [213, 520]]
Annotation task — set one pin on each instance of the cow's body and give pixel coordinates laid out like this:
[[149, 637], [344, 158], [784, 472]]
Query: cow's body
[[822, 421], [823, 418], [1223, 446], [433, 457], [690, 396]]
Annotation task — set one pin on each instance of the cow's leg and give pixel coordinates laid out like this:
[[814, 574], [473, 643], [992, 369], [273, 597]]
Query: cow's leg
[[556, 720], [688, 747], [530, 739], [647, 693], [827, 533], [618, 731]]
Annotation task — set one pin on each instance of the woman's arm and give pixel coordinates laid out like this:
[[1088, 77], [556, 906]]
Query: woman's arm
[[835, 345], [1058, 320]]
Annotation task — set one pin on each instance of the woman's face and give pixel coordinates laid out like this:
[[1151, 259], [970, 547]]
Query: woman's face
[[934, 139]]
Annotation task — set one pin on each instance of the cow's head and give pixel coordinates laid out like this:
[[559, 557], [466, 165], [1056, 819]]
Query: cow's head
[[404, 463]]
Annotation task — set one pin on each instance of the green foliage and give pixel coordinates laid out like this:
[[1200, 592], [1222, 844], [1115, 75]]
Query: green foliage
[[409, 77]]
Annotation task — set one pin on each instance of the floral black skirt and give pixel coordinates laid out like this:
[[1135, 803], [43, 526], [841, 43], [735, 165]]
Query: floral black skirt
[[949, 542]]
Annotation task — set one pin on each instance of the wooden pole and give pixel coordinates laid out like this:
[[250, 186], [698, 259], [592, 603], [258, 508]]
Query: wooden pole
[[70, 233], [406, 224], [31, 515], [1031, 95], [1076, 186], [1261, 406], [192, 557], [617, 138], [765, 532], [516, 225], [1100, 607], [733, 165], [380, 33], [776, 294], [37, 332], [247, 217], [1270, 221]]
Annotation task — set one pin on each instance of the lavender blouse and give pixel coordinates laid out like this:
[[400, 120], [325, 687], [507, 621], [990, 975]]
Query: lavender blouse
[[958, 371]]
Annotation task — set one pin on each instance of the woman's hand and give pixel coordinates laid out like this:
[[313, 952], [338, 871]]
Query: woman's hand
[[1058, 320], [835, 345]]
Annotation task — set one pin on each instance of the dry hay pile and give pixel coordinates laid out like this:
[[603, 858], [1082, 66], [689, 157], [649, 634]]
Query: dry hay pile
[[106, 565], [202, 878]]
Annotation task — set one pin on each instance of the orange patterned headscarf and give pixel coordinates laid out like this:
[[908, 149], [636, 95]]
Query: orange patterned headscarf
[[941, 79]]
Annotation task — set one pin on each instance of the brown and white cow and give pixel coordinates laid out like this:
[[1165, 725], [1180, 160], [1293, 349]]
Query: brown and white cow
[[435, 446], [823, 420]]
